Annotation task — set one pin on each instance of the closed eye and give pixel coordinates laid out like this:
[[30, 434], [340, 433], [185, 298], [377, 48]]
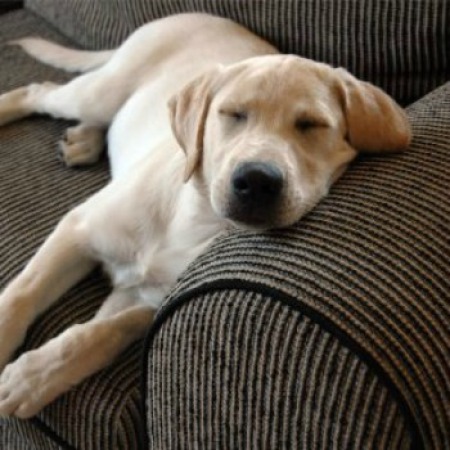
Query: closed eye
[[236, 115], [307, 124]]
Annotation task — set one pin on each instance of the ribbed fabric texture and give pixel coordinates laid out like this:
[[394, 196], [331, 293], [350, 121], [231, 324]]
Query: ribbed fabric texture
[[10, 441], [401, 46], [237, 370], [370, 264], [35, 191], [17, 435]]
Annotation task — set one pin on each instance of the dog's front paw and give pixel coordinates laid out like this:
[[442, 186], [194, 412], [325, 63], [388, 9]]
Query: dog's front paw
[[29, 384]]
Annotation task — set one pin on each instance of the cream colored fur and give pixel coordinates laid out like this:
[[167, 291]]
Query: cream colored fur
[[186, 99]]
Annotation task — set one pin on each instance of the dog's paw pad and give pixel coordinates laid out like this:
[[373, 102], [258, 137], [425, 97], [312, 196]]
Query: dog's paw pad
[[76, 154], [81, 145]]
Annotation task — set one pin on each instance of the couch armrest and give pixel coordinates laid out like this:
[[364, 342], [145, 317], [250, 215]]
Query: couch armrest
[[338, 326], [399, 46], [248, 369]]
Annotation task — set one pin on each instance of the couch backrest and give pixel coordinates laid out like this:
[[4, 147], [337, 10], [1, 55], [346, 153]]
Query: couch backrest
[[402, 46]]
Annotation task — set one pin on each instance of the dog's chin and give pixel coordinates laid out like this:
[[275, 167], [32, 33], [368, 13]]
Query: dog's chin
[[257, 223], [268, 220]]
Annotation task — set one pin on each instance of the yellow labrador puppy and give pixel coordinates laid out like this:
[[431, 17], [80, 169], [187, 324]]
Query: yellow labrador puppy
[[209, 126]]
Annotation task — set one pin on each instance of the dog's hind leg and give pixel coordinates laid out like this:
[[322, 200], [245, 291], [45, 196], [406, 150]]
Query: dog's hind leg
[[82, 145], [15, 105], [92, 98], [40, 375]]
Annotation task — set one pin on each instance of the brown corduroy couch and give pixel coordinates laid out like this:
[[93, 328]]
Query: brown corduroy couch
[[333, 334]]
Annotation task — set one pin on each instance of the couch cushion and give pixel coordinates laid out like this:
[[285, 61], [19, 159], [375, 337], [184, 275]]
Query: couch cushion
[[401, 46], [370, 266], [35, 191]]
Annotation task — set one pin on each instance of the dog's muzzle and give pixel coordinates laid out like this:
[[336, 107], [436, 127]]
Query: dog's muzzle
[[255, 193]]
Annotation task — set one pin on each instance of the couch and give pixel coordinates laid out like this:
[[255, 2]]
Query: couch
[[332, 334]]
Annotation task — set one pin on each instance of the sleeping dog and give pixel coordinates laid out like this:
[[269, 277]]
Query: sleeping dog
[[209, 127]]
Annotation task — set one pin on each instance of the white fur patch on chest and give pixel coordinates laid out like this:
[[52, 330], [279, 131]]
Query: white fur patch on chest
[[148, 277], [155, 269]]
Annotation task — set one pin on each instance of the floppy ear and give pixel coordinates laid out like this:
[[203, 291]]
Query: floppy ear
[[188, 112], [374, 121]]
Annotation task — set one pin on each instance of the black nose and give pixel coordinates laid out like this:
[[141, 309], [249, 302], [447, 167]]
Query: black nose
[[257, 182]]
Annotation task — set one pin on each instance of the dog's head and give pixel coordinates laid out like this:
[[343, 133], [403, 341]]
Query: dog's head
[[268, 136]]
